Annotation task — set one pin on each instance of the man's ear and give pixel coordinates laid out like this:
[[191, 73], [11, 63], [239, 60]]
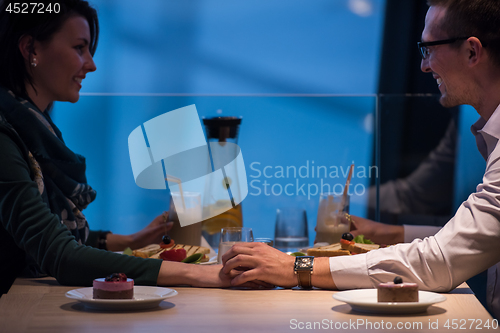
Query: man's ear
[[475, 49], [26, 46]]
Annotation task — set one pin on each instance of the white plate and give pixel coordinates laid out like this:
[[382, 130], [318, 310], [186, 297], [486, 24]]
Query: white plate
[[144, 298], [212, 261], [365, 300]]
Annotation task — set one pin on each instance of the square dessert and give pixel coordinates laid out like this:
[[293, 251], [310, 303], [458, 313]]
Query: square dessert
[[115, 286], [397, 291]]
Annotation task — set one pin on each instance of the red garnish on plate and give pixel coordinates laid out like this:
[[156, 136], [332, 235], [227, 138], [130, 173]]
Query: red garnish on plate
[[166, 246], [345, 241], [173, 255]]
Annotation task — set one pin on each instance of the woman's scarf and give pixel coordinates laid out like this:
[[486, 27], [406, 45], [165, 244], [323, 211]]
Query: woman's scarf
[[59, 172]]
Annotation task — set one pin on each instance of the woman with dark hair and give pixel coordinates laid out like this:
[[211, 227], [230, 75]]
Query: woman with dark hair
[[43, 189]]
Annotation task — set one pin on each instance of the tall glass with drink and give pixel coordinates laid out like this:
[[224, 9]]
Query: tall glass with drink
[[188, 206], [330, 224]]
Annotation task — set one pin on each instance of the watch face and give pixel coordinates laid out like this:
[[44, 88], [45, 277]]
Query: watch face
[[303, 263]]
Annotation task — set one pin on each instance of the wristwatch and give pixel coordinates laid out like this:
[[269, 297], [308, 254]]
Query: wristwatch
[[102, 241], [304, 269]]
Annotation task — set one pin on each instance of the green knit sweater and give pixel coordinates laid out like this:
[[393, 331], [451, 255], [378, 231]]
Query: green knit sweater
[[29, 228]]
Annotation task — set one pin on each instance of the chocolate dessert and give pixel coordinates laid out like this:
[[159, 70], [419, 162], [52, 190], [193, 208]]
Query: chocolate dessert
[[115, 286], [397, 291]]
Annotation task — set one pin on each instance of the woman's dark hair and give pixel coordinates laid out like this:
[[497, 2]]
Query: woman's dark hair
[[41, 26], [478, 18]]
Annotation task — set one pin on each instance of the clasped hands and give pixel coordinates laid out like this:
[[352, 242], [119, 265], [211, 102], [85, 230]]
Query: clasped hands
[[258, 265]]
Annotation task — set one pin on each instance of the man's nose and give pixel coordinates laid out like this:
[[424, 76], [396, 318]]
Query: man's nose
[[424, 66]]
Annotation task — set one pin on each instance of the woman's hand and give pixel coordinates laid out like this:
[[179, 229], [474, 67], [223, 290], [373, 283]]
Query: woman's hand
[[176, 273], [151, 234], [377, 232], [208, 276]]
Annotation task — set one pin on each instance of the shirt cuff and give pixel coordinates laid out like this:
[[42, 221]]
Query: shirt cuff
[[350, 272], [419, 231]]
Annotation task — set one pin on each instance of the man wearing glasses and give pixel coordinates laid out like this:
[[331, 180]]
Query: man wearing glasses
[[461, 49]]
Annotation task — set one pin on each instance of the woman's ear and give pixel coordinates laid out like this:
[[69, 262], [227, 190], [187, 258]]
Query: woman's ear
[[26, 46]]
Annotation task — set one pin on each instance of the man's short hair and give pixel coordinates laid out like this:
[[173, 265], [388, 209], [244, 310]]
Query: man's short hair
[[477, 18]]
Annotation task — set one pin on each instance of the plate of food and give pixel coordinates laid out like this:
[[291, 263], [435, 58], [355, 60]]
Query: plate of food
[[117, 292], [211, 261], [347, 246], [392, 297], [170, 251]]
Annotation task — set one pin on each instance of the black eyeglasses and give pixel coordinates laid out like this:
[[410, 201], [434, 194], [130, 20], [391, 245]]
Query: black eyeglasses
[[424, 51]]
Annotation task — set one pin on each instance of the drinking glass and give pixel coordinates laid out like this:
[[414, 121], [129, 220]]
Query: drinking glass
[[187, 207], [268, 241], [291, 233], [330, 224], [230, 236]]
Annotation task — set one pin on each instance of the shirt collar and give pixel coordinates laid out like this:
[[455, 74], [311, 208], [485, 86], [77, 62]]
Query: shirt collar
[[487, 133]]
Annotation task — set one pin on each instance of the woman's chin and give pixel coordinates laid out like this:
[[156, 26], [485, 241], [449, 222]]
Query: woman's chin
[[73, 99]]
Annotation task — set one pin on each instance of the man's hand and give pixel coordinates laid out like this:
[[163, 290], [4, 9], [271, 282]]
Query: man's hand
[[246, 262]]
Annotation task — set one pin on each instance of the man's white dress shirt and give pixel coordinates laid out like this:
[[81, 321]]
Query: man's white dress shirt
[[467, 245]]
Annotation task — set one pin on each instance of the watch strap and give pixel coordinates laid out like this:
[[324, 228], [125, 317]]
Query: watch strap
[[304, 278], [304, 269]]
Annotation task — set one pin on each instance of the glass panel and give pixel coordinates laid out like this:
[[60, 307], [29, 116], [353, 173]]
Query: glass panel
[[423, 171], [293, 148]]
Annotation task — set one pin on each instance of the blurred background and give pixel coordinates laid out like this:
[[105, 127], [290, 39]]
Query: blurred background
[[276, 64], [317, 84]]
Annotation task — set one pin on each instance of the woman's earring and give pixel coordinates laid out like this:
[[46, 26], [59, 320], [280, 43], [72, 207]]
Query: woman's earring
[[34, 63]]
